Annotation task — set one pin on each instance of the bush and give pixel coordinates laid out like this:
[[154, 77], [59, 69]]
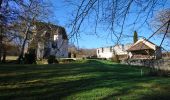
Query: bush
[[42, 61], [52, 60], [115, 58], [67, 60], [30, 58]]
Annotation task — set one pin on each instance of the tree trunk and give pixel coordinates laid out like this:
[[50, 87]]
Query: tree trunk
[[0, 33], [21, 56], [1, 45], [4, 54], [1, 3]]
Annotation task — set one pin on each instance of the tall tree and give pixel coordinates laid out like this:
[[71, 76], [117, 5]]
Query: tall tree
[[135, 37], [1, 30], [16, 21], [8, 15], [32, 11]]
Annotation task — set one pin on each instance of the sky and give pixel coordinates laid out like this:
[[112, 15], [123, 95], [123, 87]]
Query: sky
[[62, 16]]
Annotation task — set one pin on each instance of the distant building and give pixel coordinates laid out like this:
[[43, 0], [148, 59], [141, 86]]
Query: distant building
[[50, 40], [109, 52], [144, 49]]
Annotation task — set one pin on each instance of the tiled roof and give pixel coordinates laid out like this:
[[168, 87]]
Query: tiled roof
[[139, 46], [142, 44]]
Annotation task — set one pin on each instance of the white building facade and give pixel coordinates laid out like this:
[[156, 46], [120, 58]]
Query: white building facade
[[109, 52]]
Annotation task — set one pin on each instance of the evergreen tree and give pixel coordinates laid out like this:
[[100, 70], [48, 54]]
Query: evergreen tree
[[135, 37]]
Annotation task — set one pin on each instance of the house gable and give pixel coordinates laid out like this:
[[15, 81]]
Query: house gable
[[144, 49], [43, 29], [142, 44]]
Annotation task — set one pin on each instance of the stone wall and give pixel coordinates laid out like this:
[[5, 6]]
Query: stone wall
[[157, 64]]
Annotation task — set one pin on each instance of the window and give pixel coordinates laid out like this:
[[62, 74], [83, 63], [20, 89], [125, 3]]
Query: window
[[98, 51], [55, 37], [110, 48], [123, 47], [102, 50], [54, 45]]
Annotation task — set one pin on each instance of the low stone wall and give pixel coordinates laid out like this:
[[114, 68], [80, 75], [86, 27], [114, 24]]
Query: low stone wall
[[157, 64]]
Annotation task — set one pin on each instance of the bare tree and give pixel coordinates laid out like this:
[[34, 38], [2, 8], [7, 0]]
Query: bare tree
[[113, 14], [1, 29], [32, 11], [7, 16], [16, 21], [161, 18]]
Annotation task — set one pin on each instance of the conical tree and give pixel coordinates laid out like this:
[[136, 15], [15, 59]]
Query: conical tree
[[135, 37]]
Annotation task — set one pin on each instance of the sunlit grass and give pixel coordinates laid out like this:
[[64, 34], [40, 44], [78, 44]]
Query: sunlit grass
[[11, 57], [82, 80]]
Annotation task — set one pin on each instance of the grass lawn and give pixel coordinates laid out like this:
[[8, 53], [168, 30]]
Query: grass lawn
[[91, 79], [11, 57]]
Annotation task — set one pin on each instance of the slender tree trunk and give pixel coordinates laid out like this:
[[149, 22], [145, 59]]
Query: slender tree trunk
[[0, 50], [4, 54], [4, 57], [1, 3], [1, 45], [21, 56], [0, 33]]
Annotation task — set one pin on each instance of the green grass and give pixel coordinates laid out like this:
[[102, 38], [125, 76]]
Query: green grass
[[11, 57], [91, 79]]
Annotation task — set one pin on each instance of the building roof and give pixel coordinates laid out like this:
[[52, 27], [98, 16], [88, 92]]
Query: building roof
[[142, 44]]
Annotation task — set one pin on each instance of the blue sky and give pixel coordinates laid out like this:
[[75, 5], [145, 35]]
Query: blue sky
[[62, 15]]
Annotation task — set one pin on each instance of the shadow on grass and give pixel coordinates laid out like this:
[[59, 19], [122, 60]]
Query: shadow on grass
[[73, 81]]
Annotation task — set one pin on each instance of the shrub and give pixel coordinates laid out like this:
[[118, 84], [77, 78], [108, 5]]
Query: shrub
[[115, 58], [42, 61], [56, 61], [30, 58], [67, 60], [51, 59]]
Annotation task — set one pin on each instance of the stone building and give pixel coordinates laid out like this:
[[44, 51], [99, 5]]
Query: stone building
[[50, 40], [144, 49]]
